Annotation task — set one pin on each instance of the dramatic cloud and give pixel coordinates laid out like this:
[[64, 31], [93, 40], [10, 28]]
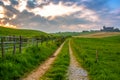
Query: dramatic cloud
[[88, 15], [79, 27], [21, 5], [59, 15], [2, 12], [6, 2], [53, 10]]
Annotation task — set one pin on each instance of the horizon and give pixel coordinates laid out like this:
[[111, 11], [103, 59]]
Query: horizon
[[60, 15]]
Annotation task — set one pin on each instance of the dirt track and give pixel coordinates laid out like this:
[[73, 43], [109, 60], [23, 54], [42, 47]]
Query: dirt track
[[40, 71], [76, 72]]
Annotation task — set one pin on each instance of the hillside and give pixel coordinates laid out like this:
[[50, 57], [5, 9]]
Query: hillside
[[72, 33], [24, 32], [99, 34]]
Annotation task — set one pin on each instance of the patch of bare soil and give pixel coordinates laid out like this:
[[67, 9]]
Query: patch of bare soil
[[40, 71], [76, 72]]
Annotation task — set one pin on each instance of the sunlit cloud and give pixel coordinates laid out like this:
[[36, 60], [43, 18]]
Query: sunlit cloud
[[6, 2], [79, 27], [88, 15], [21, 6], [53, 10], [69, 15], [39, 2], [2, 12], [3, 16], [13, 17], [8, 25]]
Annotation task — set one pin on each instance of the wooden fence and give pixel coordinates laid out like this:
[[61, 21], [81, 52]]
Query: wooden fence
[[11, 43], [14, 43]]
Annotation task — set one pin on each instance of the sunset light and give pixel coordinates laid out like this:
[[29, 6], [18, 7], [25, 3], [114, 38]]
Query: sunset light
[[59, 39]]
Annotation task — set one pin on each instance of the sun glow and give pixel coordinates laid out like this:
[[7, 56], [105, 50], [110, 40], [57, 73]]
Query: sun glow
[[2, 12], [53, 10], [8, 25]]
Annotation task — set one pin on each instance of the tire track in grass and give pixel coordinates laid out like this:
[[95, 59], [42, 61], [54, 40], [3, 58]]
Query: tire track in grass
[[75, 72], [40, 71]]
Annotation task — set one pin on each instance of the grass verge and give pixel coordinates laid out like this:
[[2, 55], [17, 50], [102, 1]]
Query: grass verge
[[59, 68], [12, 67], [107, 67]]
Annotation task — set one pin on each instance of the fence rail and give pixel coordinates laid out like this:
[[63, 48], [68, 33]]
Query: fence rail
[[14, 43]]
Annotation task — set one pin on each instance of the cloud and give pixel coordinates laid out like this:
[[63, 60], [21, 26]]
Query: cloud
[[58, 15], [96, 4], [21, 5], [31, 4], [116, 12], [87, 14], [13, 17], [51, 10], [14, 2], [79, 27], [2, 12], [6, 2], [9, 25], [6, 16]]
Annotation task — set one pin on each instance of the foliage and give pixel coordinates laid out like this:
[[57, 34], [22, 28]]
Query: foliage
[[107, 67], [12, 67]]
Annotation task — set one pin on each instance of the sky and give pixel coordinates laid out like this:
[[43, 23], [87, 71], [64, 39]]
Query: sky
[[60, 15]]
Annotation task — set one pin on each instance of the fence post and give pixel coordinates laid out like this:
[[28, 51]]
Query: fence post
[[2, 46], [96, 56], [20, 44], [37, 42], [14, 45]]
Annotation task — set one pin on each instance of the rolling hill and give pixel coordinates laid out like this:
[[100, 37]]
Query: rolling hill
[[72, 33], [23, 32], [99, 34]]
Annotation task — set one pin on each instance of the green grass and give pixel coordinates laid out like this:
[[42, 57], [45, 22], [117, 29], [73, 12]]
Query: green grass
[[13, 67], [108, 65], [66, 33], [59, 68], [72, 33], [17, 32]]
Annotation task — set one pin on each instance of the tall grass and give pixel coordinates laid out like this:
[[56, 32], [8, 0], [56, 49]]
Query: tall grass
[[59, 68], [107, 67], [13, 67]]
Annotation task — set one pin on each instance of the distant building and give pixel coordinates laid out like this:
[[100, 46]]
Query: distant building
[[110, 29]]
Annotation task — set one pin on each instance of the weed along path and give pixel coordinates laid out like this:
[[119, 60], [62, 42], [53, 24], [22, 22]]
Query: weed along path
[[40, 71], [75, 72]]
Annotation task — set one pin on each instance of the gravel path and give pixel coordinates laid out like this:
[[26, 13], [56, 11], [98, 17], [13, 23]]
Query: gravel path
[[76, 72], [40, 71]]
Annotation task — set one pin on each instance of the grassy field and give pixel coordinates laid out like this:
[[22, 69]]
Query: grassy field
[[59, 68], [99, 34], [72, 33], [108, 48], [24, 32], [12, 67]]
